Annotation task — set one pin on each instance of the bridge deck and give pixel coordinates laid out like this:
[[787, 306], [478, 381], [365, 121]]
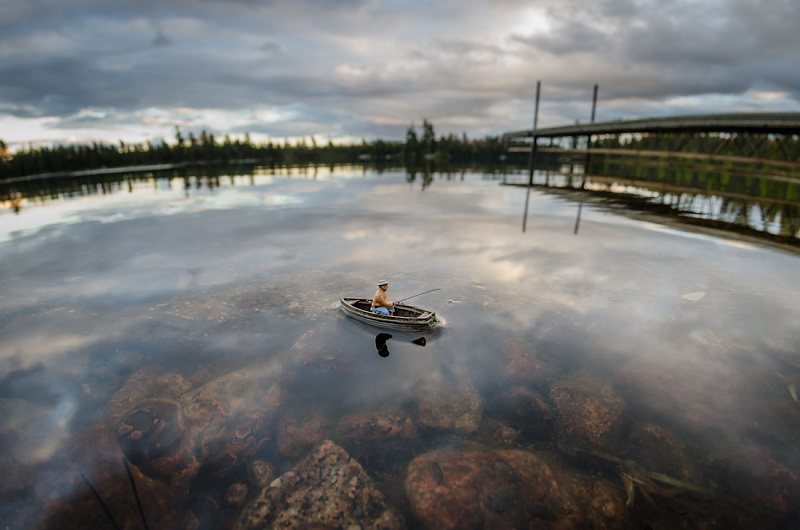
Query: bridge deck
[[763, 123]]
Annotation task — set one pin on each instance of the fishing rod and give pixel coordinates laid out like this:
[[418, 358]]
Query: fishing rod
[[416, 295]]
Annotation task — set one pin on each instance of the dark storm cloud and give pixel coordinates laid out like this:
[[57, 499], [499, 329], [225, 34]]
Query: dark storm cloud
[[571, 37], [360, 66], [61, 86], [668, 49]]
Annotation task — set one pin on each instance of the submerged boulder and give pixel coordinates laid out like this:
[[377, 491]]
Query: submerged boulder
[[300, 430], [507, 489], [217, 426], [520, 364], [450, 404], [95, 455], [590, 413], [659, 449], [526, 409], [498, 433], [144, 384], [378, 425], [328, 489]]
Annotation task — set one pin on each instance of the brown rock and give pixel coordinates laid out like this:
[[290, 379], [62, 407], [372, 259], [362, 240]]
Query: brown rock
[[506, 489], [376, 426], [655, 448], [327, 489], [704, 395], [501, 434], [527, 409], [236, 494], [218, 426], [230, 418], [260, 474], [522, 365], [450, 405], [318, 351], [589, 413], [145, 384], [297, 435], [96, 454], [759, 480], [150, 429]]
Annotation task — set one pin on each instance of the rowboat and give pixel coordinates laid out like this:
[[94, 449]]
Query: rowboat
[[405, 316]]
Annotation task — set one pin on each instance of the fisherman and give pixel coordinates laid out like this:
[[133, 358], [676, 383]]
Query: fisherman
[[380, 302]]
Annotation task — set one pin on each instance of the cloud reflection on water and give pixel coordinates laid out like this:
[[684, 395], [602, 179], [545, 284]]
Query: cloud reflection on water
[[230, 282]]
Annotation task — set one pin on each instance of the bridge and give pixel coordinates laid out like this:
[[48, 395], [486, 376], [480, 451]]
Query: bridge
[[763, 139]]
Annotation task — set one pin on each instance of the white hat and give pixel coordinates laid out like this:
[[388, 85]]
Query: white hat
[[383, 282]]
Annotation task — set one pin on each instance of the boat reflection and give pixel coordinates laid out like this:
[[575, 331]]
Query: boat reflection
[[380, 344], [382, 338]]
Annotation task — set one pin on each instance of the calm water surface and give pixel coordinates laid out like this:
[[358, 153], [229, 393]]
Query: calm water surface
[[678, 352]]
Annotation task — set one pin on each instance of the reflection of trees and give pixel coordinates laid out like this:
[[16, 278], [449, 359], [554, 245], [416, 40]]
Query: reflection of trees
[[725, 197], [704, 178]]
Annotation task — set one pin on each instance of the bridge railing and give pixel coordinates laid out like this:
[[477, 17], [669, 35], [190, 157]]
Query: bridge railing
[[760, 139]]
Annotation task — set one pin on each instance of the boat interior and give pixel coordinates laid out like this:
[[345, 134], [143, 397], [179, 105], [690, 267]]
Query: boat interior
[[400, 311]]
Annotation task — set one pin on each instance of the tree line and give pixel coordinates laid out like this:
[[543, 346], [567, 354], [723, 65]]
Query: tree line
[[205, 149]]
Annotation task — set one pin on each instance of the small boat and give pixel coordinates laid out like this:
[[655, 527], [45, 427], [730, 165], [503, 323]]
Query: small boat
[[405, 316]]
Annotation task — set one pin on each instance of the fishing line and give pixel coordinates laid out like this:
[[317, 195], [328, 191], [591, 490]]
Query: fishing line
[[135, 493], [447, 303], [100, 501]]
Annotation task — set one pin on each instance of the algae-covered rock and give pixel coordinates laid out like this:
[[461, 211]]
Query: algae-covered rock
[[590, 413], [300, 430], [450, 405], [521, 364], [144, 384], [508, 489], [328, 489]]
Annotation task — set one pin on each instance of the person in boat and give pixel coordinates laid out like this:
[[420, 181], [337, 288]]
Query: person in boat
[[380, 302]]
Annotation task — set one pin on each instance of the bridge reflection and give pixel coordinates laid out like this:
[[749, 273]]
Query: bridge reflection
[[747, 205]]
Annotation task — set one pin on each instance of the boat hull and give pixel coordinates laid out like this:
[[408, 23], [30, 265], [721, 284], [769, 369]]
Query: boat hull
[[408, 317]]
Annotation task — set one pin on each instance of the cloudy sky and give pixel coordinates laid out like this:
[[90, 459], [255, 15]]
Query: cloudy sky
[[82, 70]]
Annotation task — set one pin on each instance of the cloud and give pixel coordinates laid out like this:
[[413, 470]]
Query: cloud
[[362, 67]]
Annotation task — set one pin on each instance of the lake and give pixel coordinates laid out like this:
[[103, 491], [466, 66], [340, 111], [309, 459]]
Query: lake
[[596, 365]]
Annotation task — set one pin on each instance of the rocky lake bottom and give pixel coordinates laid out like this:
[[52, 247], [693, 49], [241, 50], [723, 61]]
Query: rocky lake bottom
[[177, 356]]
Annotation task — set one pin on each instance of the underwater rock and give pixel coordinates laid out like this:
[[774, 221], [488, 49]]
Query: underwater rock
[[589, 413], [236, 494], [527, 409], [217, 427], [327, 489], [656, 448], [375, 426], [259, 474], [450, 404], [298, 434], [317, 352], [702, 396], [758, 480], [521, 364], [500, 434], [507, 489], [230, 418], [145, 384], [96, 454], [378, 437], [150, 429], [154, 437]]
